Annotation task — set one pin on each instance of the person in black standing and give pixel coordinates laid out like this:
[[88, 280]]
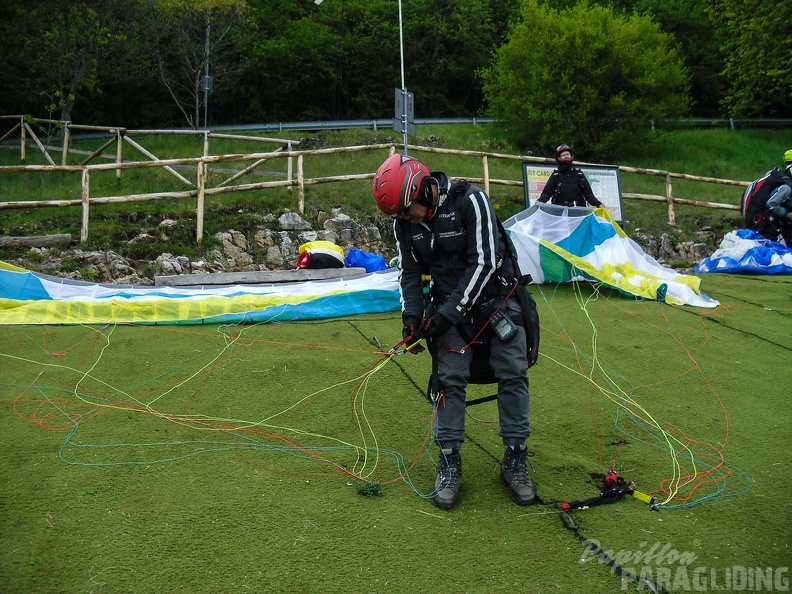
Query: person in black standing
[[567, 186], [449, 230]]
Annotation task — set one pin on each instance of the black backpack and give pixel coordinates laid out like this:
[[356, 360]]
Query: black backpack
[[754, 201]]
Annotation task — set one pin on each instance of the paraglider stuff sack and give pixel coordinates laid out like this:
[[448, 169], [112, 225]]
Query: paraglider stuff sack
[[359, 259], [320, 254]]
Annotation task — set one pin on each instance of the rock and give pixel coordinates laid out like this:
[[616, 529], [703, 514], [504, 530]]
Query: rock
[[141, 237], [340, 222], [275, 259], [168, 264], [234, 251], [666, 250], [291, 221], [263, 238], [700, 251]]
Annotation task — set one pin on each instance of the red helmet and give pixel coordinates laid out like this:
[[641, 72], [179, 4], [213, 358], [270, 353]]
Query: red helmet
[[561, 148], [398, 181]]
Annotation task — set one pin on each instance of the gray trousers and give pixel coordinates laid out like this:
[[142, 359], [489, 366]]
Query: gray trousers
[[508, 362]]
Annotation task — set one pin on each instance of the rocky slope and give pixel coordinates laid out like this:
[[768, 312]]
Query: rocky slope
[[276, 244]]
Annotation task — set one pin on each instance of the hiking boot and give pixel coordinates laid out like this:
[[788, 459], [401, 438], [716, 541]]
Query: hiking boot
[[514, 475], [449, 479]]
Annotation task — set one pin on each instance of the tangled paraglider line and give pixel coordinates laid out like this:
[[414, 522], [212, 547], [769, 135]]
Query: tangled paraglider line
[[691, 464], [68, 388]]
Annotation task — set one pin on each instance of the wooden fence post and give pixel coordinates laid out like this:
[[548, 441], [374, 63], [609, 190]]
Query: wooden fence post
[[85, 196], [22, 140], [670, 200], [300, 185], [119, 153], [202, 166], [66, 141], [289, 165], [201, 182]]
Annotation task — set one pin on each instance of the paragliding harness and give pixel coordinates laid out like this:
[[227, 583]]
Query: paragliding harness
[[754, 204], [489, 317]]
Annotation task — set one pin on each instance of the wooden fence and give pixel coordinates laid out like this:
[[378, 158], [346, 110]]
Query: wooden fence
[[199, 190]]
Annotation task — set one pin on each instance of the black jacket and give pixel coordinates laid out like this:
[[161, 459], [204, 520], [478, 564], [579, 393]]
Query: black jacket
[[568, 186], [458, 247]]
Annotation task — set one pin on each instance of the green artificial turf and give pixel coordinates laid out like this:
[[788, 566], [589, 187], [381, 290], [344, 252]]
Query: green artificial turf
[[296, 457]]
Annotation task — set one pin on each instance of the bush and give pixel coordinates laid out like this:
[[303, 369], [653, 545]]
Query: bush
[[586, 77]]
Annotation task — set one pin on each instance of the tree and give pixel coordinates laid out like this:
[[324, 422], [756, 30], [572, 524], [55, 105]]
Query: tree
[[584, 76], [61, 49], [446, 51], [195, 39], [699, 45], [689, 23], [342, 59], [757, 45]]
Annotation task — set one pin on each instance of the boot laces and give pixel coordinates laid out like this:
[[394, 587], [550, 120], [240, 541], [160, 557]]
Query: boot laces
[[516, 466], [449, 471]]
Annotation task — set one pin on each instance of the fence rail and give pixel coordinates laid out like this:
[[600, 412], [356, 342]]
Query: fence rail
[[199, 189]]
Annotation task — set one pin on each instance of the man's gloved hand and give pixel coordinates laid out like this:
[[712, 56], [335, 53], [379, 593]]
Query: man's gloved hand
[[435, 326], [412, 330]]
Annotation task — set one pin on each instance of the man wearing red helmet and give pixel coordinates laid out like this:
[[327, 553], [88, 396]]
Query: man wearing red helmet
[[449, 231], [567, 186]]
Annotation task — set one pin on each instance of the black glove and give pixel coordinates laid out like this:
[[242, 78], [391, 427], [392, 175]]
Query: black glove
[[412, 330], [435, 326]]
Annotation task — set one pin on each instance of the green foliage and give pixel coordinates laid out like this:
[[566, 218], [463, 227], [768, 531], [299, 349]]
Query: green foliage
[[757, 45], [69, 264], [76, 38], [282, 60], [587, 77], [89, 274], [343, 58], [698, 36], [370, 489]]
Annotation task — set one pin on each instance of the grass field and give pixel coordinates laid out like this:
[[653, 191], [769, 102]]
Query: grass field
[[234, 459]]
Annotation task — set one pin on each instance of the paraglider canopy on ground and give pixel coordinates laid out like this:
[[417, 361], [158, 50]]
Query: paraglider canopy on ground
[[554, 244], [558, 244], [746, 252]]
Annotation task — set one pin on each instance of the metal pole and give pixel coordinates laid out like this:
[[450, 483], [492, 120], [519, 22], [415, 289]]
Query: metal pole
[[206, 72], [403, 86]]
